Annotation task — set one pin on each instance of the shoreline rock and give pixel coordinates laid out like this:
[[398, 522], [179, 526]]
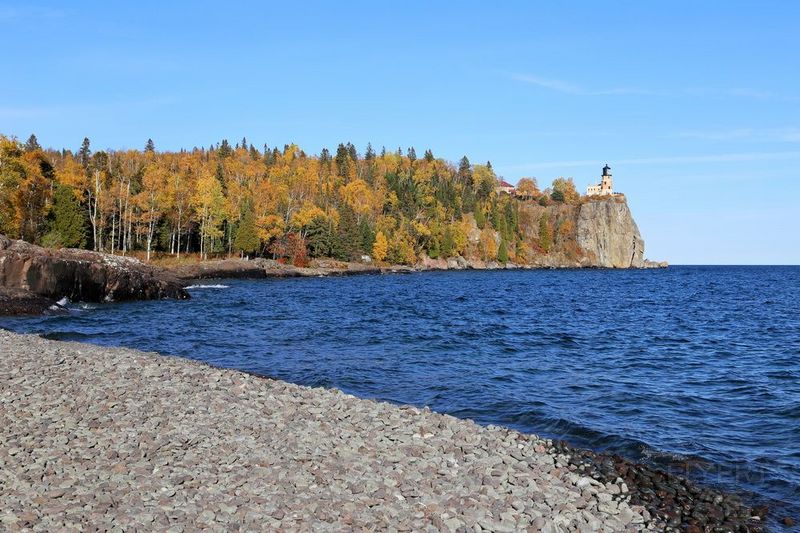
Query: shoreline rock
[[14, 302], [261, 268], [117, 438], [81, 275]]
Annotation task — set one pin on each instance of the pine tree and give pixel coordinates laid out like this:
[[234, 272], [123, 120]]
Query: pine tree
[[319, 236], [502, 252], [66, 220], [367, 235], [428, 156], [247, 240], [150, 147], [545, 234], [85, 153], [349, 236], [369, 155], [480, 217], [412, 154], [225, 149], [448, 243], [32, 144]]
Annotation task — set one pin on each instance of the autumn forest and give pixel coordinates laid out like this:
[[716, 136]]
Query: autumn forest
[[243, 200]]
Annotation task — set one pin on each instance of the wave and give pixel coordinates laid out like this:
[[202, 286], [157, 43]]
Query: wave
[[217, 286]]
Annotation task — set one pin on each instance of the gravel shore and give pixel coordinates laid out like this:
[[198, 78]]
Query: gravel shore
[[117, 439]]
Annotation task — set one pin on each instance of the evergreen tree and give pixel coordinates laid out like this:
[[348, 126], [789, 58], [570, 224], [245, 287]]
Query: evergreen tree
[[545, 234], [319, 236], [352, 152], [480, 217], [343, 160], [502, 252], [225, 149], [428, 156], [412, 154], [85, 153], [367, 235], [32, 144], [66, 220], [348, 236], [370, 153], [448, 243], [150, 147], [247, 240]]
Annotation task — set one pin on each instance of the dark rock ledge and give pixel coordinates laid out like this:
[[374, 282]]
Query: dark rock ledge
[[34, 278]]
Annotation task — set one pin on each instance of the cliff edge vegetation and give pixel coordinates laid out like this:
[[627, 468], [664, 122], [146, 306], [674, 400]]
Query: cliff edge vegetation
[[222, 201]]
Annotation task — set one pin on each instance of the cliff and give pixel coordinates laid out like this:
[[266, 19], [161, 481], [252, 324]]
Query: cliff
[[27, 270], [608, 234]]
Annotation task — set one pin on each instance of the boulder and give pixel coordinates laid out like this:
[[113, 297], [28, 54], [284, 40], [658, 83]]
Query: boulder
[[82, 275]]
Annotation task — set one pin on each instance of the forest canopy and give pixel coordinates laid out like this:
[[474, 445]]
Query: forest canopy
[[283, 203]]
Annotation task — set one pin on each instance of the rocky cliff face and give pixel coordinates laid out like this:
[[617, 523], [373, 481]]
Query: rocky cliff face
[[607, 233], [82, 275]]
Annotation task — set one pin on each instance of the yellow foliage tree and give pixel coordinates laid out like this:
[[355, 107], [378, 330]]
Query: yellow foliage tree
[[488, 245], [380, 247]]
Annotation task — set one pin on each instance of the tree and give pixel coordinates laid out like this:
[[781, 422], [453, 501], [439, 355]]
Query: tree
[[150, 147], [545, 233], [485, 181], [209, 203], [247, 240], [527, 189], [502, 252], [151, 199], [348, 235], [380, 247], [32, 144], [67, 220], [85, 153], [488, 245], [224, 149], [564, 191]]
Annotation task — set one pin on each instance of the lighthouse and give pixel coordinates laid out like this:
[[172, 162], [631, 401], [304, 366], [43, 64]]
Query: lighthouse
[[606, 185]]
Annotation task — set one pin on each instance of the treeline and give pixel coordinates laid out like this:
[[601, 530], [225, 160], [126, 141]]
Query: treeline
[[283, 203]]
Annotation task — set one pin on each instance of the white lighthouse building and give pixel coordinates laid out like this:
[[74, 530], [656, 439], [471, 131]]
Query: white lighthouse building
[[605, 187]]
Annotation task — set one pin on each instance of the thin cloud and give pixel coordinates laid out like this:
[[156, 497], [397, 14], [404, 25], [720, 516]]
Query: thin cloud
[[668, 160], [570, 88], [787, 135], [8, 13], [566, 87]]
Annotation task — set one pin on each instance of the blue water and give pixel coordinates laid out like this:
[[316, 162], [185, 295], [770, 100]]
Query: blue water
[[690, 365]]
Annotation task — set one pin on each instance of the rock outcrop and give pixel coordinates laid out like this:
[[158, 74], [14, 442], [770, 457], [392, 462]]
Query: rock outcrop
[[81, 275], [607, 233]]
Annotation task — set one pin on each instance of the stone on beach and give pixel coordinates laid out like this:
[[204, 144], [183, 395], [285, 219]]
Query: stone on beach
[[116, 438]]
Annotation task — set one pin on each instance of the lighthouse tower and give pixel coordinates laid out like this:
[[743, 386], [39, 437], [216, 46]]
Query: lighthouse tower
[[605, 187]]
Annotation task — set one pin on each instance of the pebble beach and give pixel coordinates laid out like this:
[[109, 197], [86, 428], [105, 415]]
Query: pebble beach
[[98, 438]]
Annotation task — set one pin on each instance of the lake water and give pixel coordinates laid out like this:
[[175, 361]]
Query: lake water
[[689, 365]]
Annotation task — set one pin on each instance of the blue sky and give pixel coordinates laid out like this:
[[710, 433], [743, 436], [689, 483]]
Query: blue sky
[[696, 106]]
